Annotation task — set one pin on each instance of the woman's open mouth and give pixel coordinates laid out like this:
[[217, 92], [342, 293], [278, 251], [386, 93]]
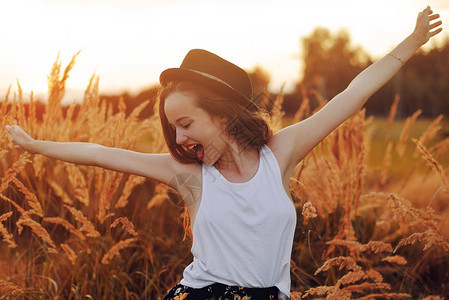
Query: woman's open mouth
[[196, 149]]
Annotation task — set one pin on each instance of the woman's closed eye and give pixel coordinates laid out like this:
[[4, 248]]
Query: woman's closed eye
[[185, 126]]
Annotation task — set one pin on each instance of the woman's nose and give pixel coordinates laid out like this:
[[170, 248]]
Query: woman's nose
[[180, 137]]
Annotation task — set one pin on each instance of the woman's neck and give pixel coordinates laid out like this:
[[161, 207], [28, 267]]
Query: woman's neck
[[238, 165]]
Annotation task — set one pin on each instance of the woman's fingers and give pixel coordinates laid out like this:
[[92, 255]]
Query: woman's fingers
[[432, 26], [11, 128], [436, 32], [17, 133], [433, 17], [19, 137]]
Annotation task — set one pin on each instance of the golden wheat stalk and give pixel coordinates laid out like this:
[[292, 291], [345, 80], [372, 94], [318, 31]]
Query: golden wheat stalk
[[115, 250], [353, 277], [159, 197], [334, 147], [56, 91], [430, 237], [112, 130], [339, 294], [395, 259], [37, 229], [86, 225], [4, 104], [341, 262], [440, 147], [32, 200], [432, 162], [128, 136], [400, 146], [7, 237], [17, 206], [89, 102], [130, 184], [71, 255], [127, 225], [276, 112], [60, 192], [295, 296], [358, 288], [359, 180], [8, 289], [373, 275], [66, 224], [304, 109], [400, 207], [386, 164], [391, 115], [110, 186], [346, 230], [319, 291], [5, 216], [427, 218], [78, 181], [32, 120], [21, 117], [350, 245], [39, 162], [431, 130], [16, 167], [377, 247]]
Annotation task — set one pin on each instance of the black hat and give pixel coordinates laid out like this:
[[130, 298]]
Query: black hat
[[203, 67]]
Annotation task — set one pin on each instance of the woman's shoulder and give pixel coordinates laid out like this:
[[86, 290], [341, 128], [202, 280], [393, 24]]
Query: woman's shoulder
[[280, 146], [187, 168], [187, 181]]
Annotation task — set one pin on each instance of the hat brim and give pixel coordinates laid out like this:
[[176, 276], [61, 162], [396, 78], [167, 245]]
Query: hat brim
[[182, 74]]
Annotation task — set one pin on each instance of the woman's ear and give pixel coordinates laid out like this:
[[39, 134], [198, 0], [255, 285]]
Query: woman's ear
[[220, 120], [223, 120]]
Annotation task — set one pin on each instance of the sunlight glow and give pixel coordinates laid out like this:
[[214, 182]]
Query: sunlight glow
[[129, 43]]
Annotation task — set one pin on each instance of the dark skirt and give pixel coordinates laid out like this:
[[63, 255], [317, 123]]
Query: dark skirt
[[219, 291]]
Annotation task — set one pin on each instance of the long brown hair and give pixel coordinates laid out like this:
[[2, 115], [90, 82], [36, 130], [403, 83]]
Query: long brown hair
[[248, 128]]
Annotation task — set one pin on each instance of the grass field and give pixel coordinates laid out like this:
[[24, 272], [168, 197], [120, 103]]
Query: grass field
[[371, 210]]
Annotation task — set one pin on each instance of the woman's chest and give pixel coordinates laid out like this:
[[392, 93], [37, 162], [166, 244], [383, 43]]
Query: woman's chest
[[245, 208]]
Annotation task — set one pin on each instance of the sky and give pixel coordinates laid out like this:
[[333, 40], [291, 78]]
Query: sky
[[129, 43]]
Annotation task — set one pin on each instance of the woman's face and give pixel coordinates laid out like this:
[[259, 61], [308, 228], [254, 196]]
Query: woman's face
[[197, 131]]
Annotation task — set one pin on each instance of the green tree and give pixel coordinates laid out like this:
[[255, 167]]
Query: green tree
[[425, 82], [331, 61]]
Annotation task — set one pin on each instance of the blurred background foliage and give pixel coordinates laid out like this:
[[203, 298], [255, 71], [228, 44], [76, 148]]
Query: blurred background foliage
[[330, 62]]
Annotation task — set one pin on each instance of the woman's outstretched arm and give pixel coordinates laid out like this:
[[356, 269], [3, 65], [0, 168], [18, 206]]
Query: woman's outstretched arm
[[376, 75], [161, 167], [293, 143]]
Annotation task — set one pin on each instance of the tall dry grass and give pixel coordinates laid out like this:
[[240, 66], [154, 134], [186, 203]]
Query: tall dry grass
[[366, 240], [77, 232], [72, 232]]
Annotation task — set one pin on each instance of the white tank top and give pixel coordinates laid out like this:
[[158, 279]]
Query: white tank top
[[243, 232]]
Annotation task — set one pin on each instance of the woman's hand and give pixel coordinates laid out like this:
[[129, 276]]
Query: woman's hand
[[20, 137], [424, 30]]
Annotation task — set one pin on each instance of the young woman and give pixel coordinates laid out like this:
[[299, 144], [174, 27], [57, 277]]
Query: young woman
[[242, 217]]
